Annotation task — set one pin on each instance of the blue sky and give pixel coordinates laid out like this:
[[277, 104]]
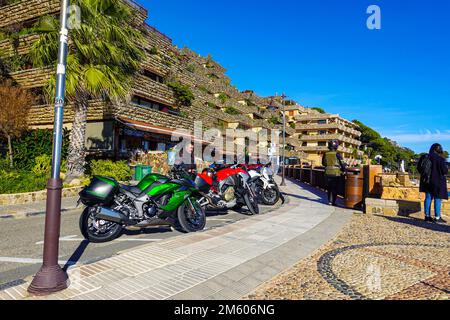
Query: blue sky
[[320, 53]]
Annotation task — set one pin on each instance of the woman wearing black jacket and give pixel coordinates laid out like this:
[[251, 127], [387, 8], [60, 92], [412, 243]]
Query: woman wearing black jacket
[[434, 184]]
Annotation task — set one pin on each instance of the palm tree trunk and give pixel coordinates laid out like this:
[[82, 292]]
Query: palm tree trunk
[[10, 151], [76, 158]]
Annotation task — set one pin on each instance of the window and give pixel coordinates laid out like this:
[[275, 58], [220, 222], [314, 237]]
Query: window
[[322, 144], [322, 132], [142, 102], [153, 76], [322, 122]]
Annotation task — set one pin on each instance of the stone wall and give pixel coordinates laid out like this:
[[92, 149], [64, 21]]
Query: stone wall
[[152, 90], [26, 198], [33, 78], [153, 117], [396, 207], [23, 47], [399, 197], [44, 115], [27, 10]]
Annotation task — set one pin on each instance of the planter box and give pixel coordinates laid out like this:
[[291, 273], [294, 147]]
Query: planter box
[[400, 207]]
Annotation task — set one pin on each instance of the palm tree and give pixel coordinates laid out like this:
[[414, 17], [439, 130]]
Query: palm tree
[[104, 54]]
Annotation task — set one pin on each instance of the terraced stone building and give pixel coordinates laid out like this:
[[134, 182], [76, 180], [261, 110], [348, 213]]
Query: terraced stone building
[[149, 116], [314, 129]]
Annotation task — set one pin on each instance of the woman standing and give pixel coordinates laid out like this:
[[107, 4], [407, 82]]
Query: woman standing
[[433, 169]]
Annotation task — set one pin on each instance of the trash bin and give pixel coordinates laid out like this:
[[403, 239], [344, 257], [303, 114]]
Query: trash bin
[[141, 171], [354, 186]]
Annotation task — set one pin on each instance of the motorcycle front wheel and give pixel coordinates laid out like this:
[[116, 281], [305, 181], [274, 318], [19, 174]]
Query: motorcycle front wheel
[[190, 219], [251, 203], [98, 231]]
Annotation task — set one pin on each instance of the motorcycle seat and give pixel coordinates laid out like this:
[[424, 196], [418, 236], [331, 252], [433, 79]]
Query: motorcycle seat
[[132, 189], [184, 183]]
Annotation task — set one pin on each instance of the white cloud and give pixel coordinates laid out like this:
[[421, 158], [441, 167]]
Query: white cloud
[[427, 136]]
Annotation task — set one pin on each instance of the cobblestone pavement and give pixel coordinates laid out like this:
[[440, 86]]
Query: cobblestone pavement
[[374, 257]]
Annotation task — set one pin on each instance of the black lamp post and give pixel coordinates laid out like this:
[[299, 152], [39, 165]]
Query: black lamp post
[[51, 278]]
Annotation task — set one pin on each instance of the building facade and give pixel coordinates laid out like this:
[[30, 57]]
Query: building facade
[[146, 118], [314, 130]]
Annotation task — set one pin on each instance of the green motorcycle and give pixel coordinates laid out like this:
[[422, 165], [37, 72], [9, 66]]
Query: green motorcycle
[[156, 200]]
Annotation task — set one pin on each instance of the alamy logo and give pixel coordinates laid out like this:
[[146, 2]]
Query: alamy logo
[[374, 20]]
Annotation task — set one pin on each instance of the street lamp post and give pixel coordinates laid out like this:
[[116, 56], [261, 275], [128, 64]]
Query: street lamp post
[[283, 180], [51, 278]]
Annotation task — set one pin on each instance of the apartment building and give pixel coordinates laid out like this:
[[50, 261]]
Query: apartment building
[[148, 115], [315, 129]]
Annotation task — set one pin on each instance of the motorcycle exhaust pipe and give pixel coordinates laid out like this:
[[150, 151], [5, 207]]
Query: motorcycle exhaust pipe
[[112, 216]]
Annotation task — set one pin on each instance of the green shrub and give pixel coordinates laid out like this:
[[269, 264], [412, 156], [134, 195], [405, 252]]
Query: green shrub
[[223, 97], [117, 170], [21, 182], [211, 105], [43, 165], [232, 110], [274, 120], [183, 93], [190, 68], [154, 50], [204, 89], [34, 144]]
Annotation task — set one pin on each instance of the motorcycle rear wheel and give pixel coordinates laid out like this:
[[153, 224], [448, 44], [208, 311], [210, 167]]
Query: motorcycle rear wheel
[[87, 223], [188, 221], [270, 196]]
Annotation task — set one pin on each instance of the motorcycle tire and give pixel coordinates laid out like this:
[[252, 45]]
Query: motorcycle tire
[[112, 234], [252, 204], [186, 225], [273, 198]]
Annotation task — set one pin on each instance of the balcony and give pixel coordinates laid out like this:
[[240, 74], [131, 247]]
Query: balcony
[[328, 137], [152, 90], [316, 126], [25, 43], [33, 9], [43, 115], [27, 10], [154, 117], [33, 78], [152, 63]]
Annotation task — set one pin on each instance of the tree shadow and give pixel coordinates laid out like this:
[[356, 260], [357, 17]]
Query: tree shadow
[[416, 222]]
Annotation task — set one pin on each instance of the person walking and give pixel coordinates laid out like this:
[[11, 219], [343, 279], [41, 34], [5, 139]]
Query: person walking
[[433, 170], [334, 168]]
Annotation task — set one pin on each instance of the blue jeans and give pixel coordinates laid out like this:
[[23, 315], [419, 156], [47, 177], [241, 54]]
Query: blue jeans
[[437, 206]]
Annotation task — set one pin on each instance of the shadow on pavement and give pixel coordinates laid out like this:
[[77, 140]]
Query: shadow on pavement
[[76, 256], [416, 222], [148, 230]]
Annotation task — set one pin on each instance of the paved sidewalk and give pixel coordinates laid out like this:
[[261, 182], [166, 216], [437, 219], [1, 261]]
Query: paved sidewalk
[[224, 263], [35, 208]]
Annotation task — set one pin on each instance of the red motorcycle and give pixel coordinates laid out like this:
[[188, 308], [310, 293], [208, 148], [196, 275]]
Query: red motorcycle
[[227, 187]]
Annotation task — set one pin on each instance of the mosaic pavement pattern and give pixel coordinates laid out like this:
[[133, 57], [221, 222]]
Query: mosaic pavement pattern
[[373, 258]]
